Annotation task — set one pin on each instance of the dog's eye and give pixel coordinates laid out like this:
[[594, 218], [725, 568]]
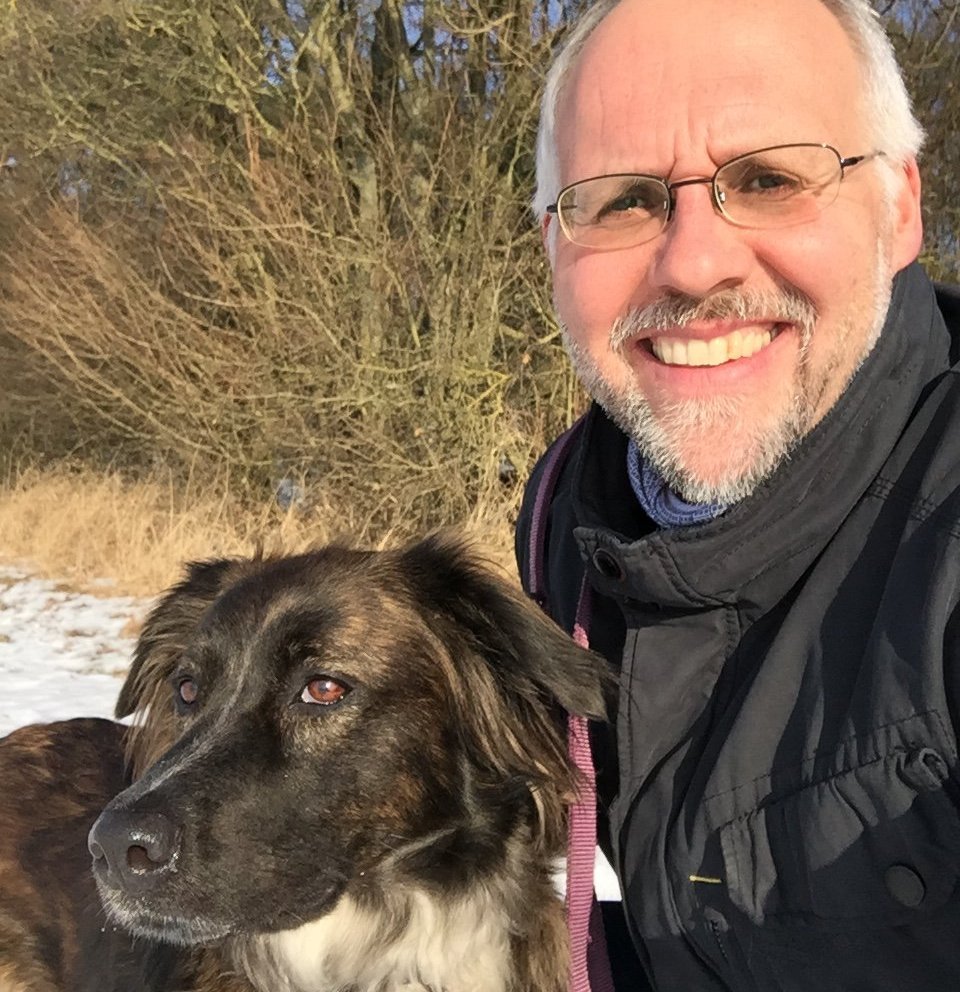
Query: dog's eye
[[323, 691], [187, 692]]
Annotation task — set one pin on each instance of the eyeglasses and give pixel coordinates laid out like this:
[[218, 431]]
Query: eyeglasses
[[768, 188]]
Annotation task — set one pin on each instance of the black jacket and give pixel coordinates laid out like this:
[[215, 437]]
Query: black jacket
[[782, 784]]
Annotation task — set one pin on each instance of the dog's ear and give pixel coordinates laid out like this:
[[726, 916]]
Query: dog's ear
[[527, 651], [168, 628]]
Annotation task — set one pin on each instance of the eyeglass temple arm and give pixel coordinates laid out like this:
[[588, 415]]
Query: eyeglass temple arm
[[849, 163]]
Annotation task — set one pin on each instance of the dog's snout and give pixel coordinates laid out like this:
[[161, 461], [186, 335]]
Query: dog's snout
[[132, 851]]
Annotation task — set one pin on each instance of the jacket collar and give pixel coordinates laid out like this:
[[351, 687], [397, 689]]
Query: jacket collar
[[758, 548]]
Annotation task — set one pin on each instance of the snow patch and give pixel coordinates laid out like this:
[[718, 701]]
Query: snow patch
[[63, 654]]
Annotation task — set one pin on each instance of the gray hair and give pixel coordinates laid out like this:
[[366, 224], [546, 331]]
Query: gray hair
[[893, 127]]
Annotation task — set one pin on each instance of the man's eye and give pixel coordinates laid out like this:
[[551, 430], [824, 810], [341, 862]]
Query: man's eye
[[630, 201], [769, 183]]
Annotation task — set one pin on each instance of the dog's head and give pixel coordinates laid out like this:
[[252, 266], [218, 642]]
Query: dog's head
[[335, 721]]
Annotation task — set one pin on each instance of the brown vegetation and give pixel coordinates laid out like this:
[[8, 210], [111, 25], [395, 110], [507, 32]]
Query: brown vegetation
[[247, 240], [83, 525]]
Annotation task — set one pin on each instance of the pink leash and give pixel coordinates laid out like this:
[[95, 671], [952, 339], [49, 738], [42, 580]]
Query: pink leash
[[589, 962]]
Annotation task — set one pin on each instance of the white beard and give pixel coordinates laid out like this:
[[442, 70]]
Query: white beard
[[756, 448]]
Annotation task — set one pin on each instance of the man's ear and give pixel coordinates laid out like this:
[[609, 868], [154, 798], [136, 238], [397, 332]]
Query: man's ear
[[907, 235], [548, 236]]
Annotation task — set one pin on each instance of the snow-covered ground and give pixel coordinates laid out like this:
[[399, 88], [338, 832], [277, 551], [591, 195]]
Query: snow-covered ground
[[64, 654]]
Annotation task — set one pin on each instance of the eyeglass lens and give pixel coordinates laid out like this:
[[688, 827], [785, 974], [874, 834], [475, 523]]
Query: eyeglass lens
[[769, 188]]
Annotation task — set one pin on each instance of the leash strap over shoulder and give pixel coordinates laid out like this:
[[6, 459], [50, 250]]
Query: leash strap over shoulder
[[589, 963], [553, 465]]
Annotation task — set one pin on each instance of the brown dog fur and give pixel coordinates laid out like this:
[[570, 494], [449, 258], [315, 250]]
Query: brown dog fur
[[374, 844], [54, 781]]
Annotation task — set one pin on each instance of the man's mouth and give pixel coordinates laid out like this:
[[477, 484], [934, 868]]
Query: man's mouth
[[740, 343]]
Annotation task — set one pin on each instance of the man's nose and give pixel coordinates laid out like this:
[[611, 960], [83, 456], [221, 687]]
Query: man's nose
[[700, 252]]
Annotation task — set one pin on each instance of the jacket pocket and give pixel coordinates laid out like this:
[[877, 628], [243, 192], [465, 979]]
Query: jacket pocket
[[880, 842]]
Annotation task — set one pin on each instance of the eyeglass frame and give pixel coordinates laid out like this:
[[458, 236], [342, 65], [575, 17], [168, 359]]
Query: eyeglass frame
[[717, 194]]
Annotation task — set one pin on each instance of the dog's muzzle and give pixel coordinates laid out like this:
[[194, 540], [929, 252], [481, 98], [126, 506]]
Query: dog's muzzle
[[133, 852]]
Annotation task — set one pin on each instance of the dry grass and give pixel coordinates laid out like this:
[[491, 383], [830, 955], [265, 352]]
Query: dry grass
[[83, 527]]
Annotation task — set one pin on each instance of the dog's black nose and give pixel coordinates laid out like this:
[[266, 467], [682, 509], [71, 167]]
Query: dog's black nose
[[133, 851]]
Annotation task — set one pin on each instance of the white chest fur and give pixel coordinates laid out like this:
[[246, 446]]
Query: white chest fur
[[421, 943]]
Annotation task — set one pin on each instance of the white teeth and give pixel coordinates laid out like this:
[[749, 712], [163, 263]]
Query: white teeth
[[735, 346], [698, 352], [716, 351]]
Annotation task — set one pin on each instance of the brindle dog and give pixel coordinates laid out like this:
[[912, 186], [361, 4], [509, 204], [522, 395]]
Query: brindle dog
[[350, 773]]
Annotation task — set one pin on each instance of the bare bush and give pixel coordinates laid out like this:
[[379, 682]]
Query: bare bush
[[330, 274], [246, 240]]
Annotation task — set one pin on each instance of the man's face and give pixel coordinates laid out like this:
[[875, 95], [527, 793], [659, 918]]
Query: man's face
[[675, 90]]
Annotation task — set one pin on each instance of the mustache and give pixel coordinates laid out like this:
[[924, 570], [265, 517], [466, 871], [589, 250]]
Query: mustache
[[788, 306]]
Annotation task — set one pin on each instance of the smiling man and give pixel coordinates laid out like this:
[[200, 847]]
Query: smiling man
[[758, 520]]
